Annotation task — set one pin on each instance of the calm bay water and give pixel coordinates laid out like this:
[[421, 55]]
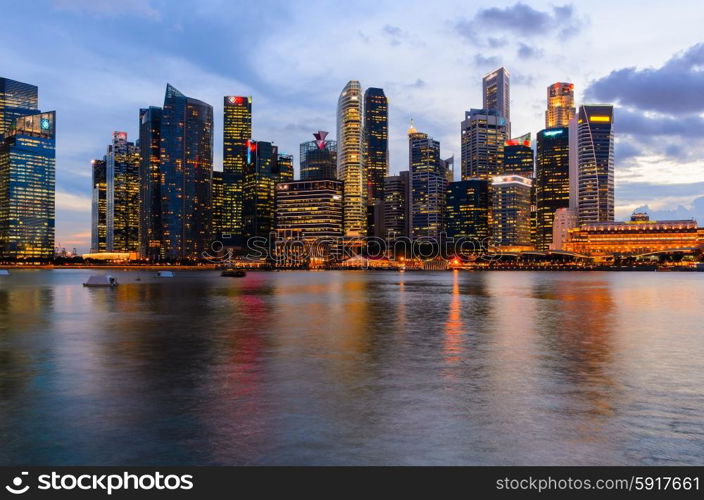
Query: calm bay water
[[352, 368]]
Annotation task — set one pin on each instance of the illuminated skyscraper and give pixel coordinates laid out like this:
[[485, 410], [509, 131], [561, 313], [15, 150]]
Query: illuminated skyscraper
[[350, 159], [376, 155], [518, 157], [560, 105], [484, 133], [397, 195], [16, 99], [428, 185], [150, 228], [318, 158], [285, 168], [595, 163], [309, 210], [218, 201], [496, 93], [552, 187], [122, 172], [27, 184], [467, 213], [236, 134], [510, 217], [187, 172], [99, 208]]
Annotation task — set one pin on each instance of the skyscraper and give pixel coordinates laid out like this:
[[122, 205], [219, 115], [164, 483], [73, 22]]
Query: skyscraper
[[483, 134], [560, 105], [218, 201], [467, 214], [350, 159], [595, 163], [518, 157], [496, 93], [376, 142], [27, 187], [309, 210], [552, 188], [99, 208], [318, 158], [428, 185], [187, 170], [510, 218], [16, 99], [150, 228], [237, 132], [397, 196], [123, 185]]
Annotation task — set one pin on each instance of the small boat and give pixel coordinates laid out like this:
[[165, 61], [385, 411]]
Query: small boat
[[4, 272], [101, 280], [233, 273], [165, 274]]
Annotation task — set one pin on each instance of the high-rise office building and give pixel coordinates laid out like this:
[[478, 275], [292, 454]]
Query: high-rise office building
[[99, 208], [237, 131], [123, 185], [483, 134], [595, 163], [467, 214], [350, 158], [218, 201], [376, 156], [518, 157], [510, 217], [552, 184], [428, 185], [187, 172], [318, 158], [265, 168], [496, 93], [560, 105], [27, 187], [16, 99], [150, 228], [309, 209], [397, 195]]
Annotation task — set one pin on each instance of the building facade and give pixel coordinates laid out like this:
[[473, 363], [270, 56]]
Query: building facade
[[552, 183], [16, 99], [397, 195], [518, 157], [350, 158], [309, 209], [560, 105], [237, 132], [318, 158], [595, 164], [496, 94], [510, 215], [483, 135], [187, 171], [428, 185], [150, 228], [122, 163], [99, 208], [467, 214]]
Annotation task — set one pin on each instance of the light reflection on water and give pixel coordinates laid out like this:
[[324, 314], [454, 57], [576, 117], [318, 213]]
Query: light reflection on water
[[352, 368]]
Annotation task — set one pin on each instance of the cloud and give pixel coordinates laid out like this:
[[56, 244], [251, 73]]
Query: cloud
[[675, 88], [640, 123], [528, 52], [486, 61], [522, 20], [71, 202]]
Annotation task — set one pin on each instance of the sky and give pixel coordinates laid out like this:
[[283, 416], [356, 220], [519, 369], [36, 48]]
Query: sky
[[96, 62]]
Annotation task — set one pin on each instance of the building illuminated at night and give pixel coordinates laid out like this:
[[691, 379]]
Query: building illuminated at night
[[150, 229], [428, 185], [496, 93], [595, 164], [397, 197], [99, 208], [27, 184], [318, 158], [560, 105], [187, 172], [483, 135], [218, 190], [310, 209], [237, 132], [636, 237], [518, 157], [376, 155], [552, 183], [16, 99], [122, 165], [350, 158], [510, 214], [467, 213]]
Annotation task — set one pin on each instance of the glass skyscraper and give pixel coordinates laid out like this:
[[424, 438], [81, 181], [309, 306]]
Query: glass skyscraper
[[99, 208], [595, 163], [397, 196], [518, 157], [496, 93], [467, 213], [510, 214], [27, 187], [318, 158], [552, 186], [376, 152], [483, 134], [150, 228], [187, 170], [560, 105], [428, 185], [237, 133], [16, 99], [122, 163], [350, 160]]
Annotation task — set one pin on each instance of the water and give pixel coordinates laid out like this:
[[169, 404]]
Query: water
[[352, 368]]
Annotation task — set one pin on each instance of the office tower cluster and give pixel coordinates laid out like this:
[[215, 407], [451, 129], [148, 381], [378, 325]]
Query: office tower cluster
[[161, 197], [27, 174]]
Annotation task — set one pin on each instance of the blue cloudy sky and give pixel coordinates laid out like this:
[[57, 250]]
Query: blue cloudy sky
[[98, 61]]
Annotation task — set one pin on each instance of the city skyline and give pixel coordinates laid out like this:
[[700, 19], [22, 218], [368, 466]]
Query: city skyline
[[667, 174]]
